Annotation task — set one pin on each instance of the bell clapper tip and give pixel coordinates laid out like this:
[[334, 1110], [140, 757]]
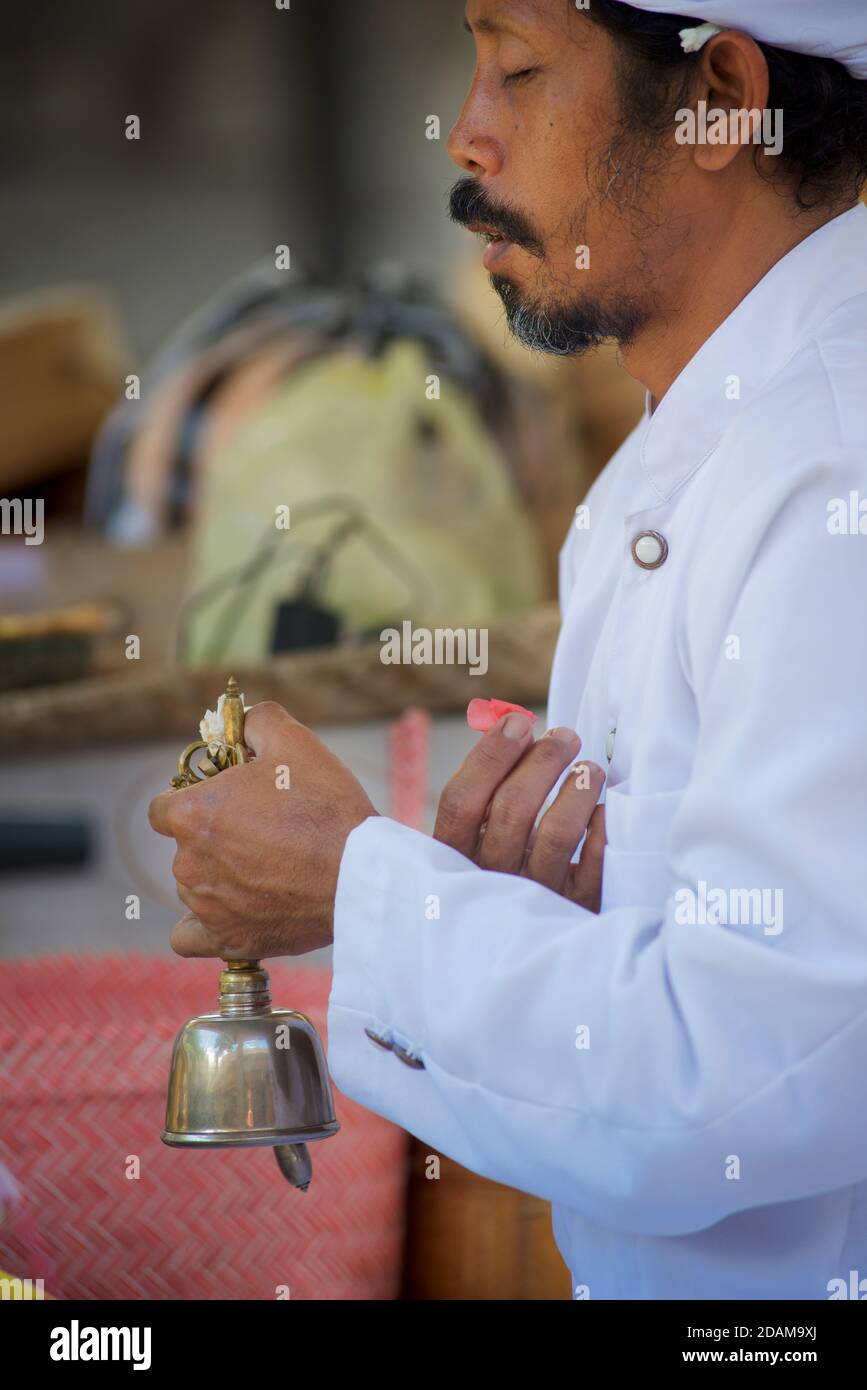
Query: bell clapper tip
[[294, 1163]]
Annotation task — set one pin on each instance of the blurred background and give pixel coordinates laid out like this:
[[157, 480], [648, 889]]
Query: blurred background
[[257, 404]]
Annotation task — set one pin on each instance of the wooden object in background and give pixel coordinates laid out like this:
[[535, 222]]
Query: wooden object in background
[[471, 1239], [62, 360], [41, 648], [335, 685]]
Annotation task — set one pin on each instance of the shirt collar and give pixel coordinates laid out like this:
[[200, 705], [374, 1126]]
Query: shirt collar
[[753, 344]]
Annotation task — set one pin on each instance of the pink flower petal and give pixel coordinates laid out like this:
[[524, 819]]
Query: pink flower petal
[[483, 714]]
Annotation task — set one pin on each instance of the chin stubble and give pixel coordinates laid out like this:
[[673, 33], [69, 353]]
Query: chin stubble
[[567, 330]]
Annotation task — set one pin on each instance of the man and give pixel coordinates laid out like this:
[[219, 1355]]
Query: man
[[683, 1073]]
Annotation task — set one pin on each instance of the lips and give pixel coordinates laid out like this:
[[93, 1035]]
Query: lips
[[484, 229], [497, 244], [495, 251]]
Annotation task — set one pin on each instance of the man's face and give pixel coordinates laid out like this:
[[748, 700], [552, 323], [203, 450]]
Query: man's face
[[586, 214]]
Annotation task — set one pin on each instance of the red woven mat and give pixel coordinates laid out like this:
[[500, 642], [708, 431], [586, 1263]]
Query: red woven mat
[[85, 1045]]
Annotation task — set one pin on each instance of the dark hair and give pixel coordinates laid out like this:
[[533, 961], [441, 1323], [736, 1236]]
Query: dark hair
[[824, 106]]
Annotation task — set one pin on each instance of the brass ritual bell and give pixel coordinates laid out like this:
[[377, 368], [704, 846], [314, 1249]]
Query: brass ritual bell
[[249, 1074]]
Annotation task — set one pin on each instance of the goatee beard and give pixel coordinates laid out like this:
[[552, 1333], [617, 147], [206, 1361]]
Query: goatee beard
[[567, 330]]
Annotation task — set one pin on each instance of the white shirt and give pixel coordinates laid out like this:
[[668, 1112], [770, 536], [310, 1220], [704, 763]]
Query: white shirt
[[684, 1076]]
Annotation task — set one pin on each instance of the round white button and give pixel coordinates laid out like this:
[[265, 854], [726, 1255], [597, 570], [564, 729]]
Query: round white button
[[650, 550], [609, 744]]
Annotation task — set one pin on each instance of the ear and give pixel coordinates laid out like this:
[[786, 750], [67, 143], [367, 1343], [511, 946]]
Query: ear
[[733, 78]]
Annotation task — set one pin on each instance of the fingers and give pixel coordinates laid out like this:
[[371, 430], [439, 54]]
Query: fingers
[[467, 795], [265, 724], [586, 886], [520, 797], [562, 827], [186, 896], [173, 812], [189, 938], [159, 812]]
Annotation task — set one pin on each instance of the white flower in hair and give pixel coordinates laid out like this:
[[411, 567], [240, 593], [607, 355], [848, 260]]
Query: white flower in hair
[[693, 40]]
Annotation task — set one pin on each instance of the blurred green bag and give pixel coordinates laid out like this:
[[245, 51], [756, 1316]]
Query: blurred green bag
[[399, 507]]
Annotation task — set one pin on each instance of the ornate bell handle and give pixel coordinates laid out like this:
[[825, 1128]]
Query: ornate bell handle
[[229, 751]]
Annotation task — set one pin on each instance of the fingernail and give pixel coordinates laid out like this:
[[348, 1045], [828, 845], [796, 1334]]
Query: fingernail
[[586, 770], [516, 726], [562, 735], [482, 715]]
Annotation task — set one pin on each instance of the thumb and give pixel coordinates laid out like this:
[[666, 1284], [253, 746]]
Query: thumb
[[265, 724], [189, 938]]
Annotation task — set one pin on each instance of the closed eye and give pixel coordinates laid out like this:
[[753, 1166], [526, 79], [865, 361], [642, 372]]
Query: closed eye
[[519, 76]]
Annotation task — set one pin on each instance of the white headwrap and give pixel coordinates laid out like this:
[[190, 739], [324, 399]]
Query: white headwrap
[[827, 28]]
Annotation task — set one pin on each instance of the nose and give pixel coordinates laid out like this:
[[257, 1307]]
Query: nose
[[472, 146]]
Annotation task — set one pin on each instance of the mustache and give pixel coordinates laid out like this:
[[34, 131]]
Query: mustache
[[468, 203]]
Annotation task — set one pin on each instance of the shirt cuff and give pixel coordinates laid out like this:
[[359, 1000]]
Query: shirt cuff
[[375, 990]]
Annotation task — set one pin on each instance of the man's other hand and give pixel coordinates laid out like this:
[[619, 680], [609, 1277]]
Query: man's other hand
[[488, 810]]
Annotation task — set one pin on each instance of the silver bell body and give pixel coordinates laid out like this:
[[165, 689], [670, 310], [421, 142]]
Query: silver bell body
[[253, 1080], [249, 1075]]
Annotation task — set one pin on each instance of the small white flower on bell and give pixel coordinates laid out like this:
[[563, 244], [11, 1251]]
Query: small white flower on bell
[[212, 729]]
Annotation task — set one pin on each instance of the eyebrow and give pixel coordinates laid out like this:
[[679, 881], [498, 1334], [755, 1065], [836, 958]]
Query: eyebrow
[[494, 26]]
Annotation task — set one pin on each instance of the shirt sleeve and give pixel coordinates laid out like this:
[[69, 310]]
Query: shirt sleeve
[[651, 1067]]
